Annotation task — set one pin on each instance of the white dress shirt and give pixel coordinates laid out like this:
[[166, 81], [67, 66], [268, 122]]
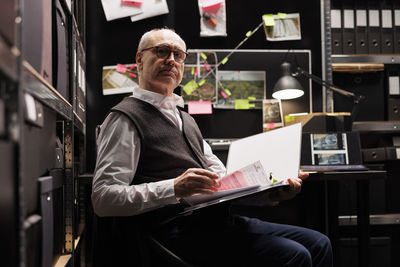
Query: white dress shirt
[[118, 151]]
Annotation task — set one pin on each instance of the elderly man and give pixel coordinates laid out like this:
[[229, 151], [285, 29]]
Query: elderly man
[[151, 154]]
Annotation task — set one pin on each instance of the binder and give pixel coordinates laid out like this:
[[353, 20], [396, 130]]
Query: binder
[[336, 29], [374, 27], [387, 27], [348, 30], [396, 24], [32, 32], [393, 93], [46, 69], [361, 27], [61, 74]]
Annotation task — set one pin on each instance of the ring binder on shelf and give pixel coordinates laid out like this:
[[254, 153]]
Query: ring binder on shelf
[[387, 27], [396, 28], [374, 28], [348, 29], [361, 27], [336, 28]]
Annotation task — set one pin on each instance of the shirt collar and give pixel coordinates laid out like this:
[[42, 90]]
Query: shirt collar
[[158, 100]]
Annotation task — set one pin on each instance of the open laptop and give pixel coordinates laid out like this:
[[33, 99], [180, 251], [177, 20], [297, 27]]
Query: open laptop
[[339, 151]]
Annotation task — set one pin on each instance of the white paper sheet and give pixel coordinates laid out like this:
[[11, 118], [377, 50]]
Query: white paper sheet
[[151, 8], [277, 150], [113, 9]]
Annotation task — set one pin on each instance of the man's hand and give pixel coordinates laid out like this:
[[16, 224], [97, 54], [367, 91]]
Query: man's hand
[[195, 181], [294, 188]]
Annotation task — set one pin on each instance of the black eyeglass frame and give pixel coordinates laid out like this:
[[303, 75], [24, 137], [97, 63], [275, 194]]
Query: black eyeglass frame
[[170, 50]]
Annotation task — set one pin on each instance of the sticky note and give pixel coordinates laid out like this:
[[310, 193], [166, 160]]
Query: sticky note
[[121, 68], [203, 55], [252, 98], [192, 71], [190, 87], [248, 33], [206, 66], [224, 95], [269, 20], [202, 82], [224, 61], [132, 2], [199, 107], [289, 118], [281, 15], [242, 104], [132, 74], [228, 92], [195, 71], [252, 105], [211, 4], [132, 67]]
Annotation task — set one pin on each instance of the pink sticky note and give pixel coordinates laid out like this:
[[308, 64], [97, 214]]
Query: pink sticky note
[[207, 67], [211, 5], [270, 125], [195, 71], [132, 2], [132, 74], [132, 67], [224, 95], [121, 68], [199, 107]]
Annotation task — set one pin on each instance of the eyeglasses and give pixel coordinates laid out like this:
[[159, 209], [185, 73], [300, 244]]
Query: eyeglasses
[[164, 51]]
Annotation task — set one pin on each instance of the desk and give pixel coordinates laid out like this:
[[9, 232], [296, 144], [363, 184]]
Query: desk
[[362, 179]]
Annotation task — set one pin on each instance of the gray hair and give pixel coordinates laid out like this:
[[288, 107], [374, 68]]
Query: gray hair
[[144, 40]]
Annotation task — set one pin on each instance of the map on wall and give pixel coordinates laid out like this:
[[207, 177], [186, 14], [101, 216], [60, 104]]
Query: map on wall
[[237, 86], [119, 79]]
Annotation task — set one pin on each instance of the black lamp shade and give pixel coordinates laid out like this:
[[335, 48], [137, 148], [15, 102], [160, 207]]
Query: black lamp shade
[[287, 87]]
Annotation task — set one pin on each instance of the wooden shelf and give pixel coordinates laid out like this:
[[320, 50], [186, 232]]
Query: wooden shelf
[[357, 67], [377, 126], [36, 85]]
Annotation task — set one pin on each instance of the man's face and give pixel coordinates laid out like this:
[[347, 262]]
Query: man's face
[[161, 75]]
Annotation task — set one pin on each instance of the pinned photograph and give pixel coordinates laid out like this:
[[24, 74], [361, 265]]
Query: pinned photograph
[[119, 79], [272, 114], [282, 27]]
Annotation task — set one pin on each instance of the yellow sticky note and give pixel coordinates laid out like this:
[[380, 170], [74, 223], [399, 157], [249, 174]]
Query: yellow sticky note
[[252, 105], [224, 61], [228, 92], [289, 118], [242, 104], [281, 15], [190, 87], [252, 98], [202, 82], [192, 71], [203, 55], [248, 33], [269, 20]]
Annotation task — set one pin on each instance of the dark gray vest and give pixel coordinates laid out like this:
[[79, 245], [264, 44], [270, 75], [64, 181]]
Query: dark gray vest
[[166, 152]]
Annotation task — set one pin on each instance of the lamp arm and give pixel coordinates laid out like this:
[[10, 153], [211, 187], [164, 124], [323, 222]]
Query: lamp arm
[[326, 84]]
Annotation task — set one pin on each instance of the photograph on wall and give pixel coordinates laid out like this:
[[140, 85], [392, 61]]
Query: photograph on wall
[[329, 149], [195, 88], [119, 79], [236, 86], [199, 81], [272, 114], [282, 27]]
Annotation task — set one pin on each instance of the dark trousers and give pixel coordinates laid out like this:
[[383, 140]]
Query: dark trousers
[[243, 241]]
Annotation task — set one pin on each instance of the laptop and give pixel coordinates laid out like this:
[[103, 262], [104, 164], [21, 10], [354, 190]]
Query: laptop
[[339, 151]]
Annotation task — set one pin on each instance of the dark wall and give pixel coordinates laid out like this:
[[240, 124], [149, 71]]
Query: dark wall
[[109, 43]]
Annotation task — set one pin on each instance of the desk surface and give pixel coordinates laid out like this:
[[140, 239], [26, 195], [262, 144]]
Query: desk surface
[[348, 175]]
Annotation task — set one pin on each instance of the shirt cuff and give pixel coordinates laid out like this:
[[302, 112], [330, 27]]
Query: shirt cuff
[[167, 191]]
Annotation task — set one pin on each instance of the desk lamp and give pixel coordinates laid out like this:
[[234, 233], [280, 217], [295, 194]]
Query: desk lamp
[[287, 87]]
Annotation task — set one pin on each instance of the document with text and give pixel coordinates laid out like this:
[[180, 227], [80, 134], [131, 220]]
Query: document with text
[[248, 180]]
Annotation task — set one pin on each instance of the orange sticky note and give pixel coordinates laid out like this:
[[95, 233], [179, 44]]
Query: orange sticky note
[[199, 107]]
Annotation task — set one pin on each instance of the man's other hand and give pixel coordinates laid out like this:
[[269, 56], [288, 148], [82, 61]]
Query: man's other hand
[[195, 181], [294, 188]]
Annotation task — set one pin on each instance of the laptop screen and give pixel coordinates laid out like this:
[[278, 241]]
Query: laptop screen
[[331, 149]]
